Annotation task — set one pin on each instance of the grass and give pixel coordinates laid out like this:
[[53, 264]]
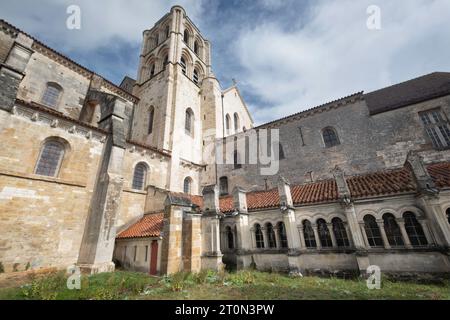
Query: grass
[[207, 285]]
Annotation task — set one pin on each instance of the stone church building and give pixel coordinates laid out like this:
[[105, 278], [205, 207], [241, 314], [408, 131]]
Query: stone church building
[[102, 176]]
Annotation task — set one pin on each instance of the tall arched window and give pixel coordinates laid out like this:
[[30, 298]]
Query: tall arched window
[[230, 238], [448, 215], [271, 236], [228, 123], [237, 160], [281, 152], [372, 231], [283, 235], [189, 122], [392, 230], [223, 184], [152, 70], [324, 233], [308, 233], [183, 65], [259, 236], [196, 47], [139, 176], [414, 230], [167, 32], [195, 76], [187, 185], [186, 36], [340, 233], [151, 116], [236, 122], [330, 137], [52, 95], [166, 60], [50, 159]]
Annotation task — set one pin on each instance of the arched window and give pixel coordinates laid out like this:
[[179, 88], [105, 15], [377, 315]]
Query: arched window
[[139, 176], [236, 122], [167, 32], [166, 60], [151, 116], [186, 36], [324, 233], [52, 95], [259, 236], [271, 236], [237, 160], [187, 185], [372, 231], [152, 70], [340, 233], [448, 215], [308, 233], [330, 137], [230, 238], [281, 152], [228, 123], [50, 158], [392, 230], [196, 47], [283, 235], [414, 230], [183, 65], [189, 122], [223, 183], [195, 76]]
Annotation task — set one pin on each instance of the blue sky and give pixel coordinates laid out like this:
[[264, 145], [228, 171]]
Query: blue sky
[[287, 56]]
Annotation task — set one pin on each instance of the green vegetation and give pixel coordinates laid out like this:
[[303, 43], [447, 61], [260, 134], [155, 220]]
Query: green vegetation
[[212, 285]]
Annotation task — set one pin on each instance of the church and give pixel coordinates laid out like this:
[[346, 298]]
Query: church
[[158, 174]]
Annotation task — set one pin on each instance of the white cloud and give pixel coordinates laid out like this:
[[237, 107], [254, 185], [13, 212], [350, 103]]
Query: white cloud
[[334, 54]]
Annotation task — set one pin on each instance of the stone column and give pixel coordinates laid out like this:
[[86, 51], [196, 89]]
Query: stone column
[[243, 252], [349, 236], [277, 237], [363, 232], [386, 243], [192, 241], [97, 245], [302, 237], [316, 236], [333, 236], [426, 231], [401, 224], [265, 237]]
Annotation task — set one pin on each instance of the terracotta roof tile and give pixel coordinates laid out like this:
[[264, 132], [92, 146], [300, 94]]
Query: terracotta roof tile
[[322, 191], [440, 173], [226, 204], [149, 226], [263, 199]]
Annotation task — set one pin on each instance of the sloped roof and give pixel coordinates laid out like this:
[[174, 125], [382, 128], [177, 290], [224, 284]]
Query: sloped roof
[[149, 226], [440, 173], [420, 89]]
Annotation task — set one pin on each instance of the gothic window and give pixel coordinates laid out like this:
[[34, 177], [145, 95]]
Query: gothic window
[[196, 47], [183, 65], [230, 238], [195, 76], [50, 159], [140, 173], [167, 32], [189, 122], [152, 70], [308, 233], [228, 123], [237, 160], [281, 152], [283, 236], [324, 233], [271, 236], [186, 36], [392, 230], [187, 185], [52, 95], [340, 233], [414, 230], [259, 236], [151, 116], [372, 231], [223, 183], [437, 128], [236, 122], [166, 60], [330, 137]]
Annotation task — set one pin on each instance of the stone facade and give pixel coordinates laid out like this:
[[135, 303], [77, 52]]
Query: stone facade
[[85, 163]]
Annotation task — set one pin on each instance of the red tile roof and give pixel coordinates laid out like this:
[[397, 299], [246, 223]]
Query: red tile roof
[[322, 191], [226, 204], [149, 226], [263, 199], [440, 173]]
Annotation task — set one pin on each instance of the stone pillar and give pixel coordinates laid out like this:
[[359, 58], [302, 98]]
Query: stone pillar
[[426, 231], [265, 237], [192, 242], [211, 255], [97, 246], [349, 236], [277, 237], [316, 236], [302, 237], [333, 236], [363, 232], [244, 245], [401, 224], [386, 243]]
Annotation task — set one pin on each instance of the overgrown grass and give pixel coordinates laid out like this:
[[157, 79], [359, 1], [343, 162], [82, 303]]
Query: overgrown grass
[[212, 285]]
